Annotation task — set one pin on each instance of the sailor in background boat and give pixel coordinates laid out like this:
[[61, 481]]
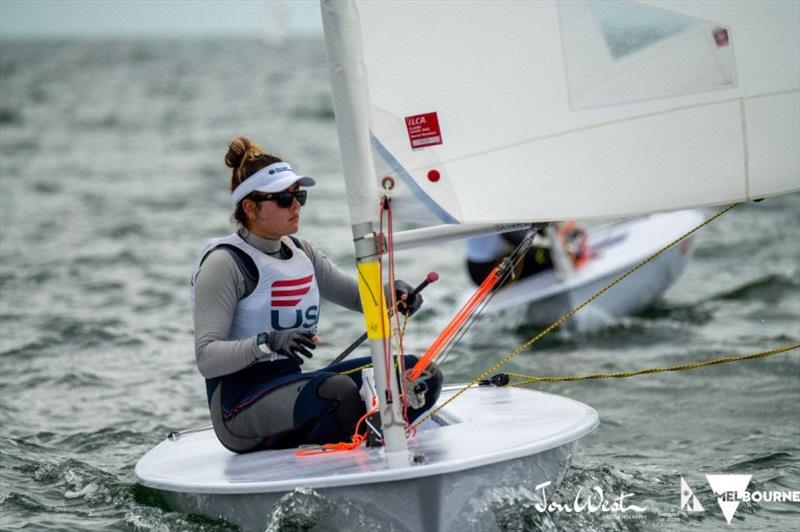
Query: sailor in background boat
[[487, 251], [255, 296]]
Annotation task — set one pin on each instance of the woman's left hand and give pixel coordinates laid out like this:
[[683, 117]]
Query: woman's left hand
[[402, 291], [293, 343]]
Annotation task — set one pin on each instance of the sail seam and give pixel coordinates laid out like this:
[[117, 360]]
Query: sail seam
[[613, 122]]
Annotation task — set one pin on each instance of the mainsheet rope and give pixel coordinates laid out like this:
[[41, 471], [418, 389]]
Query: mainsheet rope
[[530, 379]]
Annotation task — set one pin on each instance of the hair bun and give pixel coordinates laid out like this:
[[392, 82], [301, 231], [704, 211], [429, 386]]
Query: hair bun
[[239, 150]]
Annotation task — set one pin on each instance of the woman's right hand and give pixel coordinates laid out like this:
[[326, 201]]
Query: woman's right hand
[[292, 343]]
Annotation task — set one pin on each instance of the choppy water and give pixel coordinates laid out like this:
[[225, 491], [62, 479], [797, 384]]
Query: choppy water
[[111, 159]]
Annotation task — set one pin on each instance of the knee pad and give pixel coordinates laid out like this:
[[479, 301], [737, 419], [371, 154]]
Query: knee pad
[[430, 384], [434, 379], [349, 406]]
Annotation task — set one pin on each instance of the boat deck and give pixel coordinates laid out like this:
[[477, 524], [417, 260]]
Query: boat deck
[[483, 426]]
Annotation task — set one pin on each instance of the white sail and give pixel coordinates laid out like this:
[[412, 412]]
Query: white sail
[[493, 112]]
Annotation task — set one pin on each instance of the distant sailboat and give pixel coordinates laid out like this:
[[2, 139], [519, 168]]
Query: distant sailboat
[[610, 250], [276, 24], [487, 113]]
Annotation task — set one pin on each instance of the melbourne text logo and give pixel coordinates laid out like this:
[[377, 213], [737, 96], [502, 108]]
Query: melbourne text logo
[[732, 490]]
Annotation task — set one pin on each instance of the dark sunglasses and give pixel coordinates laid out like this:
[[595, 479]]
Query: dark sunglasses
[[283, 199]]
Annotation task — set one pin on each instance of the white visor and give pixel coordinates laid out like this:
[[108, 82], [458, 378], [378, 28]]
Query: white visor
[[274, 178]]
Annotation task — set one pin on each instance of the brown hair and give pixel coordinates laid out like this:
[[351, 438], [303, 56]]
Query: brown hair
[[245, 158]]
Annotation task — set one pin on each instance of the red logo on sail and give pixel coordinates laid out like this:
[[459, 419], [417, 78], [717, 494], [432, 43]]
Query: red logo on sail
[[721, 37], [423, 130], [289, 292]]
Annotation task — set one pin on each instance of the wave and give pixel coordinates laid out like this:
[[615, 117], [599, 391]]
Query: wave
[[10, 117], [768, 289]]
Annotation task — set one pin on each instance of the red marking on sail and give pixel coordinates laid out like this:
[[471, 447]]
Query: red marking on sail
[[292, 288], [721, 37], [423, 130]]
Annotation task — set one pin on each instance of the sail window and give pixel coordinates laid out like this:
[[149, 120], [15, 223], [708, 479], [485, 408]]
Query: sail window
[[628, 27], [623, 52]]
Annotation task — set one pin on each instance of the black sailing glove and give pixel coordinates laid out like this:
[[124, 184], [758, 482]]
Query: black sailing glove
[[292, 344], [402, 291]]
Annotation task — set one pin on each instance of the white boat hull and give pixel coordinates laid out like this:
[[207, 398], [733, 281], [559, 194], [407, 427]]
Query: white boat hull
[[543, 298], [488, 439], [426, 503]]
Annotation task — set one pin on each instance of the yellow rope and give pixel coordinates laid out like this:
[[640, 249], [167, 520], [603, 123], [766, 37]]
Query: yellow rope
[[529, 379], [365, 366], [349, 371], [567, 316], [398, 334]]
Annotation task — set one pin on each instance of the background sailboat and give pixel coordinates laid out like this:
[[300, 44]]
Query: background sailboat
[[610, 250], [276, 24]]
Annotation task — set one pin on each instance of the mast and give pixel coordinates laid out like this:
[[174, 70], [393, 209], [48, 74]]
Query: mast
[[351, 105]]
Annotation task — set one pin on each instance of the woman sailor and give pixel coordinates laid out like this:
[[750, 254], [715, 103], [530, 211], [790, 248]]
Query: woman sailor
[[255, 296]]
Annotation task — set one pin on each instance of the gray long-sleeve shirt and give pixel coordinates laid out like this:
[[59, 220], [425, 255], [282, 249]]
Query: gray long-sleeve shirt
[[220, 285]]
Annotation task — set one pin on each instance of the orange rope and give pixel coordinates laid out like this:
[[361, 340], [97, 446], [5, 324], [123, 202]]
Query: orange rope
[[456, 323], [356, 440]]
